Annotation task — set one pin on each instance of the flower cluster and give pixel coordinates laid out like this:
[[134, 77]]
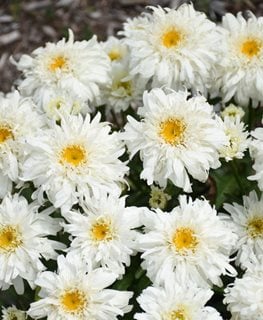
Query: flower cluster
[[125, 192]]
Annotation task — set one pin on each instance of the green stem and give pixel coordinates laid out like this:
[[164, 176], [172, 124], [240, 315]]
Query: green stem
[[236, 175]]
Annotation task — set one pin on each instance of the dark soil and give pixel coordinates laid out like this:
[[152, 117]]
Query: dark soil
[[26, 25]]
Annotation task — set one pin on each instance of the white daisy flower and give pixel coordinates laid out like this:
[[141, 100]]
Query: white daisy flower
[[191, 242], [176, 301], [245, 296], [18, 121], [104, 233], [78, 158], [240, 67], [238, 140], [23, 241], [77, 291], [247, 223], [124, 91], [132, 25], [232, 111], [173, 47], [176, 137], [116, 50], [80, 67], [57, 103], [256, 152], [12, 313]]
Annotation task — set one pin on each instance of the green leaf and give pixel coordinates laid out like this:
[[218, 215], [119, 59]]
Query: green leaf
[[226, 185]]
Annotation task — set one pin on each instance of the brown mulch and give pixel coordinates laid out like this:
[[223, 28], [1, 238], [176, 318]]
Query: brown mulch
[[26, 25]]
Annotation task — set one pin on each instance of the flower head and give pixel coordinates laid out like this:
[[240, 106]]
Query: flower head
[[23, 241], [18, 121], [247, 223], [176, 301], [116, 50], [104, 233], [176, 47], [58, 103], [77, 159], [77, 291], [245, 296], [12, 313], [232, 111], [238, 140], [240, 67], [190, 243], [158, 198], [77, 66], [176, 137], [124, 90]]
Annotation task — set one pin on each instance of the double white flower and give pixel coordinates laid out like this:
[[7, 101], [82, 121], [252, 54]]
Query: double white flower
[[104, 234], [77, 292], [190, 243], [77, 66], [176, 301], [23, 241], [173, 47], [77, 159], [177, 136], [240, 67], [18, 121]]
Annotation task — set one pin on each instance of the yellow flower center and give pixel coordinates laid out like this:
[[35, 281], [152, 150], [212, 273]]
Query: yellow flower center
[[10, 238], [178, 314], [172, 131], [114, 55], [184, 239], [58, 63], [126, 85], [171, 38], [73, 301], [255, 227], [232, 114], [74, 155], [58, 104], [251, 47], [5, 133], [55, 104], [102, 230]]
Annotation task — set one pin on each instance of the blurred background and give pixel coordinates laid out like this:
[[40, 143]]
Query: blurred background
[[26, 25]]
